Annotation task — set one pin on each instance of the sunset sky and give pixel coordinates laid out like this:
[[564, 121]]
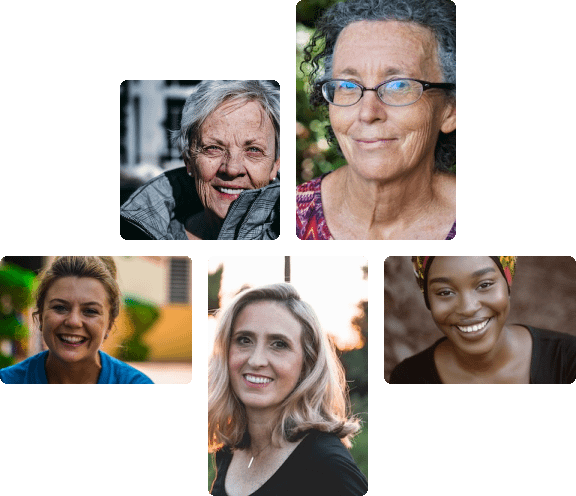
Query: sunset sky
[[332, 285]]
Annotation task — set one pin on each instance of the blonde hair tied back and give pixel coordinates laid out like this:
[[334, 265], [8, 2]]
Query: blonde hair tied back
[[102, 269]]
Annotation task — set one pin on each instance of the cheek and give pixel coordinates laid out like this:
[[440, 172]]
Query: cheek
[[501, 302], [235, 360], [294, 370], [203, 174]]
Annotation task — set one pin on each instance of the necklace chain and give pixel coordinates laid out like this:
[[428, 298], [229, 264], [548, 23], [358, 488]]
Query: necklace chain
[[258, 454]]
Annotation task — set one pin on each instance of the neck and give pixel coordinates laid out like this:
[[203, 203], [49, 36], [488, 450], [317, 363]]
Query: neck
[[382, 208], [491, 362], [260, 427], [59, 372]]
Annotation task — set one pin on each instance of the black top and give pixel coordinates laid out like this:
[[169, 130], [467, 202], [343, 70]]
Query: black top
[[320, 465], [160, 208], [553, 361]]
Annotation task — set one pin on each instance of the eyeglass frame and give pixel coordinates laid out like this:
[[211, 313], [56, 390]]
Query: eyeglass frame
[[426, 85]]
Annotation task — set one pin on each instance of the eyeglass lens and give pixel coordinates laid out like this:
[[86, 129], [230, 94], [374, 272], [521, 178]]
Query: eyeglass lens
[[398, 92]]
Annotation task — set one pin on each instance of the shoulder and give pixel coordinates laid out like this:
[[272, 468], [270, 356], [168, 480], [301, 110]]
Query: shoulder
[[26, 372], [318, 442], [310, 221], [417, 369], [115, 371], [308, 194], [333, 467], [553, 356]]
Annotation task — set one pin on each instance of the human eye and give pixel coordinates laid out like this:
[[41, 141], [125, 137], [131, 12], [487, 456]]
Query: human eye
[[485, 284], [242, 340], [346, 86], [61, 309], [91, 311], [482, 286], [255, 151], [444, 292], [398, 84], [280, 344], [212, 150]]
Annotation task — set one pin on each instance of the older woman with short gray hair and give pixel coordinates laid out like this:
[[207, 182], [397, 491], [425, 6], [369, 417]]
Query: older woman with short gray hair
[[386, 72], [229, 188]]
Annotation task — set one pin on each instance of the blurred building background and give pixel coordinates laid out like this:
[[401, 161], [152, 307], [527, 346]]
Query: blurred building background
[[149, 110]]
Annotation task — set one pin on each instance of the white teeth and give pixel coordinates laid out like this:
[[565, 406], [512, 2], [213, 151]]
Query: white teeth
[[230, 191], [72, 339], [474, 328], [257, 380]]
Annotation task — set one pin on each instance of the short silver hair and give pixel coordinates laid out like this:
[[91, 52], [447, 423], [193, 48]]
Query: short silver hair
[[209, 95]]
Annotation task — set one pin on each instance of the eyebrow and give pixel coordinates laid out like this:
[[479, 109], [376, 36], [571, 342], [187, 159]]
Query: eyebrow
[[53, 300], [478, 273], [271, 337], [391, 71]]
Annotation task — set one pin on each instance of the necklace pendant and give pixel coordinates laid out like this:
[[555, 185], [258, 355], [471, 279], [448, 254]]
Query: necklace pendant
[[251, 460]]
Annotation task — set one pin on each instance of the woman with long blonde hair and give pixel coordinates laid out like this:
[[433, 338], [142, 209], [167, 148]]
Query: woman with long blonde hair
[[278, 406]]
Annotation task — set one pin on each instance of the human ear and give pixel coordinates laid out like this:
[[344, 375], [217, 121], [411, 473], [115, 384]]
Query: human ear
[[275, 169], [449, 118]]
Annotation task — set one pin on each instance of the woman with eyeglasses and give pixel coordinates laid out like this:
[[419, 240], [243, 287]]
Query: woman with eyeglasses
[[386, 71]]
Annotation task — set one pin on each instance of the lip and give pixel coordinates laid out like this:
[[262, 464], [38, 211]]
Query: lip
[[229, 192], [260, 376], [370, 143], [470, 323], [466, 329], [83, 341], [258, 385]]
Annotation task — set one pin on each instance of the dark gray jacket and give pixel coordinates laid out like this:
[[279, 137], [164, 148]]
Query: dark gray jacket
[[159, 210]]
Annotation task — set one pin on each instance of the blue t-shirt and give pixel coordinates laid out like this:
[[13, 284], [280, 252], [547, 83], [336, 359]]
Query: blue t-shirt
[[32, 371]]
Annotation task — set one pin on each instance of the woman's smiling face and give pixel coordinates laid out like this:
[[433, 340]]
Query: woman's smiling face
[[75, 319], [469, 301], [266, 357], [380, 141], [236, 152]]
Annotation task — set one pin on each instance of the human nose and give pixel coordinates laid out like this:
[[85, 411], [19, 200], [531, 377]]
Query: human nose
[[468, 304], [258, 357], [232, 164], [371, 108], [74, 318]]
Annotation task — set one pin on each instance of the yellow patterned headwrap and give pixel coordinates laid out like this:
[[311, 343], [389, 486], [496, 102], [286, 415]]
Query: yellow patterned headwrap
[[507, 266]]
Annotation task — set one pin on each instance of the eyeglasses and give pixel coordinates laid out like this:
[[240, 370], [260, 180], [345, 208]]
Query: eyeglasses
[[395, 92]]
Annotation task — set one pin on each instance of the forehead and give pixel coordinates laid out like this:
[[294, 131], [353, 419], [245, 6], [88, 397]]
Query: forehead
[[238, 119], [268, 317], [80, 289], [459, 267], [387, 48]]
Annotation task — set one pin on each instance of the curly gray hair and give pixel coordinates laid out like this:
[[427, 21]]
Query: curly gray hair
[[437, 15], [209, 95]]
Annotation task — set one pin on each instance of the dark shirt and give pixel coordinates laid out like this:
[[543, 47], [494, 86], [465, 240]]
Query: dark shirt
[[553, 361], [160, 208], [320, 465]]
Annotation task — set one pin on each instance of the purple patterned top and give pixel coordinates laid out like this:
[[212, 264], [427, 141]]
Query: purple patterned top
[[310, 220]]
